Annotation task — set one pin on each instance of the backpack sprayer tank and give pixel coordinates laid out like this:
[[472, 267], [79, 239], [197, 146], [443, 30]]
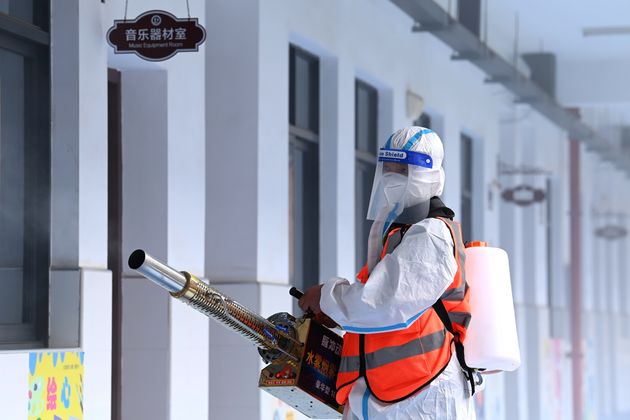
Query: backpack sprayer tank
[[303, 355]]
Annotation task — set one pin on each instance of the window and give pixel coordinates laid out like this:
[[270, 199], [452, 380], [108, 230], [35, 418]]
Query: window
[[423, 120], [469, 15], [34, 12], [303, 168], [623, 279], [114, 231], [24, 173], [466, 156], [550, 277], [366, 145], [303, 91]]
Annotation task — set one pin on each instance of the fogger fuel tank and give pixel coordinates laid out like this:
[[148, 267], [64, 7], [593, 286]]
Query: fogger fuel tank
[[303, 356], [491, 340]]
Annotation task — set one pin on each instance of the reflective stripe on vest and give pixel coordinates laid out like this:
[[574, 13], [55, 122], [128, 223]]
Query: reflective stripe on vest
[[396, 364], [387, 355]]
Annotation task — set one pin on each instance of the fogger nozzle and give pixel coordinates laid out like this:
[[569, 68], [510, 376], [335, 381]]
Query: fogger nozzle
[[211, 302], [159, 273]]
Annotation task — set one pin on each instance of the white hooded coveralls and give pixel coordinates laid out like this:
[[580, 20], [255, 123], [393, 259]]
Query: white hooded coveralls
[[400, 288]]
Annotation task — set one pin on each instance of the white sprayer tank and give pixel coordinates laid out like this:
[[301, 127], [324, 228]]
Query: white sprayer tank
[[491, 339]]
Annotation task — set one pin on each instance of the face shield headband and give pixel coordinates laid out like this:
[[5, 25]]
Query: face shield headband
[[408, 157]]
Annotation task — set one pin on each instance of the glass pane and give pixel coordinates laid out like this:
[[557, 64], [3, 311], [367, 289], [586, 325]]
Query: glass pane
[[24, 198], [466, 156], [304, 90], [310, 216], [364, 179], [466, 162], [304, 214], [466, 219], [12, 144], [20, 9], [24, 181], [292, 257], [366, 117], [291, 86]]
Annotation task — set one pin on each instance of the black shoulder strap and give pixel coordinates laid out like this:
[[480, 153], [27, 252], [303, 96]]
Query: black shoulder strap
[[442, 313], [396, 238]]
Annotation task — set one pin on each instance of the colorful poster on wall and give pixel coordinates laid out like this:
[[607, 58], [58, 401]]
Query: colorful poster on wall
[[556, 365], [55, 386]]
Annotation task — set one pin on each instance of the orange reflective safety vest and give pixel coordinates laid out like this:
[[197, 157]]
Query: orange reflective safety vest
[[397, 364]]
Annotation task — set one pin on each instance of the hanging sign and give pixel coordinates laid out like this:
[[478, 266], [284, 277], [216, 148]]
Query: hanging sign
[[524, 195], [156, 35], [611, 232]]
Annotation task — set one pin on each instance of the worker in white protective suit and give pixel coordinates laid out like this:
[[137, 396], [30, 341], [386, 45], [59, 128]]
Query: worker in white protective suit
[[394, 303]]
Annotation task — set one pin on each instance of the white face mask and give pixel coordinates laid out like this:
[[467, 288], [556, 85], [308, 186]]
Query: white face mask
[[419, 192], [394, 186], [423, 185]]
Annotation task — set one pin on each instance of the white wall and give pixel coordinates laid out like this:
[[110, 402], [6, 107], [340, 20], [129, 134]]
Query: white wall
[[164, 204], [79, 195], [232, 141], [145, 315], [14, 389]]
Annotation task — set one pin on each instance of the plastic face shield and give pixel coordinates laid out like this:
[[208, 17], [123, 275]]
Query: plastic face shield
[[391, 183], [387, 204]]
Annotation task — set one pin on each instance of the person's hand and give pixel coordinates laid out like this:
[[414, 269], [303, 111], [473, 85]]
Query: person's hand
[[310, 299]]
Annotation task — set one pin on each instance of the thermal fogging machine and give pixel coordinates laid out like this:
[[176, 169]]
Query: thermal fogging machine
[[302, 355]]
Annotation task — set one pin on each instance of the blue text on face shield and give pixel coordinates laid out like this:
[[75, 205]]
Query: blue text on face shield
[[405, 156]]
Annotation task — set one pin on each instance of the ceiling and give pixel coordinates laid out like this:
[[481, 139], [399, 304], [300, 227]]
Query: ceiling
[[590, 68], [556, 26]]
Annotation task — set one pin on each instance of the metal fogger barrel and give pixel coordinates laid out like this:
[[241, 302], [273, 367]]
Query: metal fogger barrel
[[303, 355]]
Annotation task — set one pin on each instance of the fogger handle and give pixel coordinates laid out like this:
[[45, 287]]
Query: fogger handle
[[295, 292], [322, 318]]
